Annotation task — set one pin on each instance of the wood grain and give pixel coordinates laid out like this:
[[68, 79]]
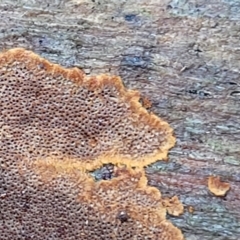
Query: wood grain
[[184, 57]]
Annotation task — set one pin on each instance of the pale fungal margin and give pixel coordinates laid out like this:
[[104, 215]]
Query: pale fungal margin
[[51, 112]]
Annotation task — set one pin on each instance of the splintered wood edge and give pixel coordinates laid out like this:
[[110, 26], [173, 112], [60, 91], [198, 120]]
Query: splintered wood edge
[[33, 61]]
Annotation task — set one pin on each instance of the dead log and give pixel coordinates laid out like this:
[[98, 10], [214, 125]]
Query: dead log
[[182, 56]]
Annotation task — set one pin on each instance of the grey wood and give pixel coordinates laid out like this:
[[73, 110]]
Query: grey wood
[[184, 57]]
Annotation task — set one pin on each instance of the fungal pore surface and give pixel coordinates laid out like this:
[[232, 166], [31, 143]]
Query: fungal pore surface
[[46, 202], [49, 111], [57, 124]]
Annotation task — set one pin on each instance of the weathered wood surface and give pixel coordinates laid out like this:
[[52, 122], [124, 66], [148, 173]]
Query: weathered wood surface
[[183, 56]]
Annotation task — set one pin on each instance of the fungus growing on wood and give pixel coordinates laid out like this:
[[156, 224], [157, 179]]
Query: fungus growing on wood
[[217, 187], [146, 102], [59, 202], [173, 205], [47, 110], [55, 125]]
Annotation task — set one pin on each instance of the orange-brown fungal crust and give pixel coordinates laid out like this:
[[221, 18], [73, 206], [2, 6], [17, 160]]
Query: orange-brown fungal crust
[[49, 111], [173, 205], [64, 203], [217, 187], [57, 123], [146, 102], [138, 207], [37, 65]]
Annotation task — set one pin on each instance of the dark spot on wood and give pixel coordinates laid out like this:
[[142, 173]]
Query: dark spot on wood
[[192, 91], [235, 93], [130, 17]]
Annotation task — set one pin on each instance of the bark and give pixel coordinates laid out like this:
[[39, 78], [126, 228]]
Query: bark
[[181, 55]]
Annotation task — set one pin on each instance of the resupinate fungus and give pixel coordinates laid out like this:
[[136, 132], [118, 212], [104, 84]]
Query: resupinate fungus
[[58, 124]]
